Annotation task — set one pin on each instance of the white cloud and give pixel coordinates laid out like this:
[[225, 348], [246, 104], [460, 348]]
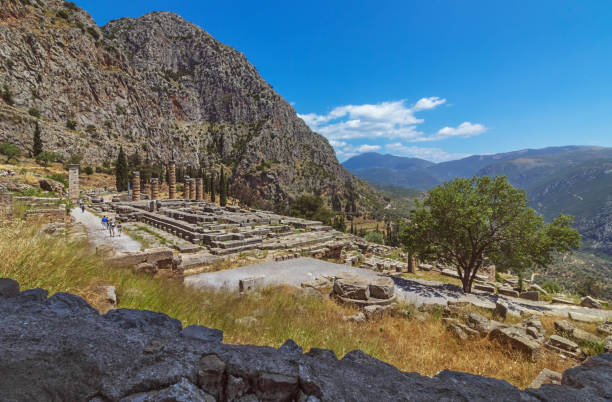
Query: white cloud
[[367, 148], [345, 150], [385, 119], [430, 154], [428, 103], [465, 129]]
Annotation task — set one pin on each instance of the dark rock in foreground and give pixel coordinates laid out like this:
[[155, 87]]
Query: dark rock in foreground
[[60, 348]]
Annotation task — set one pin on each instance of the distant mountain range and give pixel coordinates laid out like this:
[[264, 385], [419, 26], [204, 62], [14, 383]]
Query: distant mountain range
[[575, 180]]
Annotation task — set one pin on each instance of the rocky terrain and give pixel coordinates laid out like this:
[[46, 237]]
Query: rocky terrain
[[158, 85], [134, 355]]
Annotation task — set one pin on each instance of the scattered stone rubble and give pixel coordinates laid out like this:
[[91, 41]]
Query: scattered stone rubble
[[74, 353]]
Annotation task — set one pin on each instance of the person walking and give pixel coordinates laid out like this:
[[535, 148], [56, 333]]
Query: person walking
[[111, 228], [119, 228], [82, 208], [104, 223]]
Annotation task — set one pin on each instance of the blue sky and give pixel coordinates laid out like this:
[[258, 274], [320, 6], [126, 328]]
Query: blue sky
[[430, 79]]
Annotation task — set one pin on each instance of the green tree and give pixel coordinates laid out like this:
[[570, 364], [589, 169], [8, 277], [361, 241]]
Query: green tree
[[11, 151], [470, 223], [44, 158], [37, 148], [310, 207], [121, 171], [374, 237], [134, 161], [338, 223], [222, 189], [212, 188]]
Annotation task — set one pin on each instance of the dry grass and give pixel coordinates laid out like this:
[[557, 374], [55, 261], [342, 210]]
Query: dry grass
[[59, 264]]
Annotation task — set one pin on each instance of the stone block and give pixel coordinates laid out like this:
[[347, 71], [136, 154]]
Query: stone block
[[251, 283], [563, 343], [588, 301], [518, 339], [530, 295], [583, 317], [508, 292], [484, 287], [546, 376], [560, 300], [382, 288], [8, 288], [355, 288]]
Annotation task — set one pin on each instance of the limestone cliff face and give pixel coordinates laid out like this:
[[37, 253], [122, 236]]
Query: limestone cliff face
[[155, 83]]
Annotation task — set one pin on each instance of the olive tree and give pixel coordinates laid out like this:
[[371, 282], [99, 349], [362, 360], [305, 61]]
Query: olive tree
[[470, 223]]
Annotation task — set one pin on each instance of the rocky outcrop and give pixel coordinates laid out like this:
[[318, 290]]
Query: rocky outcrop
[[158, 85], [60, 348]]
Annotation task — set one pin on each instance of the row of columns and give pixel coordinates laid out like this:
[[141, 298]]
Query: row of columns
[[193, 189]]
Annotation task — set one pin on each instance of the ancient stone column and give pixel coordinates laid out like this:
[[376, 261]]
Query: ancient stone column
[[73, 182], [186, 189], [135, 186], [172, 180], [192, 189], [199, 189], [154, 188]]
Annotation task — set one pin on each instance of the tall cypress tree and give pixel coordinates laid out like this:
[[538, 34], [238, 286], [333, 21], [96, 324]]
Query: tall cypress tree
[[222, 190], [37, 148], [212, 188], [121, 171]]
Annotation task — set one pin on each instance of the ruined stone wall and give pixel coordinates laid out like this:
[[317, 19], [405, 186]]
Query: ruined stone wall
[[6, 204], [60, 348]]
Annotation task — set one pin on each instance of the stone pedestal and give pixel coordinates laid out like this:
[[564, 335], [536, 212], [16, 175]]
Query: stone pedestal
[[154, 189], [73, 182], [199, 189], [172, 180], [135, 186]]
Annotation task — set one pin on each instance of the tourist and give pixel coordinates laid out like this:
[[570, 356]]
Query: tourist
[[104, 222], [82, 208], [111, 228], [119, 228]]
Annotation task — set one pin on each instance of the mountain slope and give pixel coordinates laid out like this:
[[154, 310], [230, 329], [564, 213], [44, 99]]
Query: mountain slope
[[160, 86], [575, 180]]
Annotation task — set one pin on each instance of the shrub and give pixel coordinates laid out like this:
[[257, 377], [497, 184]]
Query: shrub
[[119, 109], [9, 150], [94, 34], [498, 277], [70, 5], [63, 14], [7, 95], [88, 170], [60, 178], [551, 287], [34, 112], [91, 128], [75, 159], [44, 158], [71, 124], [374, 237]]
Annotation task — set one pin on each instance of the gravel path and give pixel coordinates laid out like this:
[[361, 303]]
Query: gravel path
[[417, 291], [99, 236]]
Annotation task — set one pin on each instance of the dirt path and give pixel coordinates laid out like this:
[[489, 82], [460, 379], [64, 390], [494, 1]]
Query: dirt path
[[99, 236]]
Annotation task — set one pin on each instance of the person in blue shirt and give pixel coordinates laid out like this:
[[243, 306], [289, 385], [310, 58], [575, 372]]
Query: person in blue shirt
[[105, 222]]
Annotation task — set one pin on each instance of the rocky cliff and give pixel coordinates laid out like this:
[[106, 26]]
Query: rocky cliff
[[60, 348], [156, 84]]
